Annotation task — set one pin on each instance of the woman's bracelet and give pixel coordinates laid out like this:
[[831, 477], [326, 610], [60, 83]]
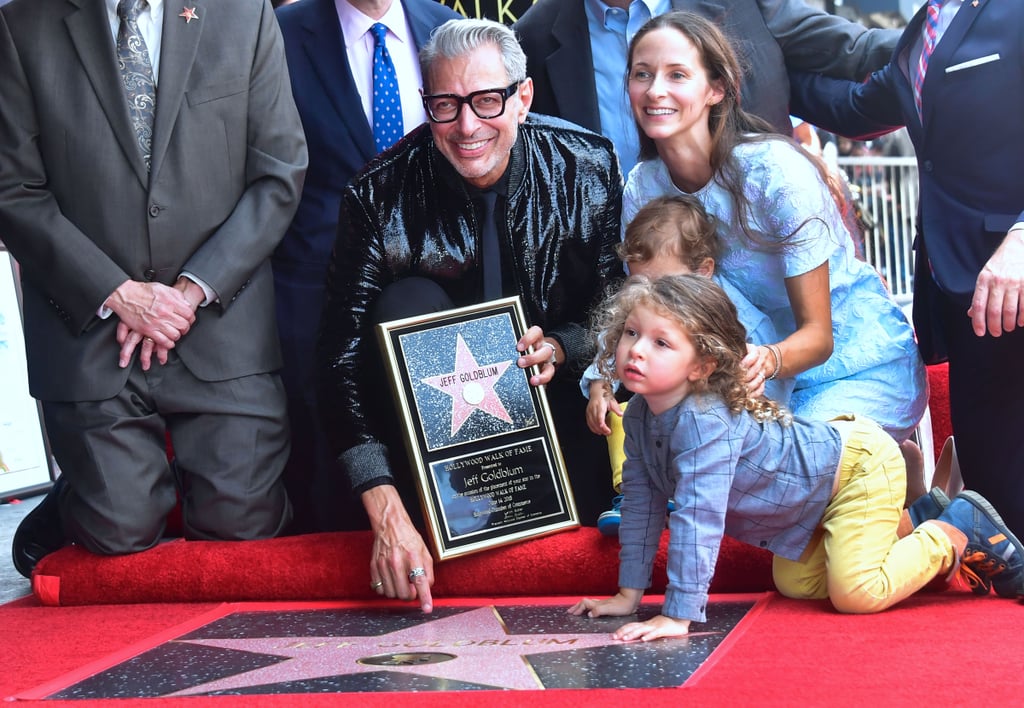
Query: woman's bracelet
[[777, 355]]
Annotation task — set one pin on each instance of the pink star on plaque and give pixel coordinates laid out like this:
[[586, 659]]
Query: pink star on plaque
[[471, 386], [189, 13]]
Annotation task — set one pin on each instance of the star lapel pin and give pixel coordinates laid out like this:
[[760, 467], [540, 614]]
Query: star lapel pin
[[189, 13]]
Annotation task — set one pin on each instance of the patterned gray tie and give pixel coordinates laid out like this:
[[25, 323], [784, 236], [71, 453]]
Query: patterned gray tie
[[136, 74]]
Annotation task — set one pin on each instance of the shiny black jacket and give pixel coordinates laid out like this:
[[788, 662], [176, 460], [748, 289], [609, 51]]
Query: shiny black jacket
[[408, 213]]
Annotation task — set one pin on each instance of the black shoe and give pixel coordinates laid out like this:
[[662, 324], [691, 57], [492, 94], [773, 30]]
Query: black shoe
[[39, 534]]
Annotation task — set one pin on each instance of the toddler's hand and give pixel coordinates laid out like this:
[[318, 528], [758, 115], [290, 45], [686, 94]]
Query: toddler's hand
[[601, 401], [623, 603], [655, 628]]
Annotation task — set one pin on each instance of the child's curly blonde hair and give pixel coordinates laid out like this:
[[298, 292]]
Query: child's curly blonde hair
[[707, 315]]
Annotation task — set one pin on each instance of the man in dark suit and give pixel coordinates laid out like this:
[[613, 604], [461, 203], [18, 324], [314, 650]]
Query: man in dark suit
[[560, 38], [144, 235], [329, 51], [969, 279]]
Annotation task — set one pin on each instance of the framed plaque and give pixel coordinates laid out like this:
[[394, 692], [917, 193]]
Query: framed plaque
[[488, 467], [24, 452]]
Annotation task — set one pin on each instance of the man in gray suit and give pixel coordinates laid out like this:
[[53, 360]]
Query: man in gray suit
[[576, 51], [144, 236]]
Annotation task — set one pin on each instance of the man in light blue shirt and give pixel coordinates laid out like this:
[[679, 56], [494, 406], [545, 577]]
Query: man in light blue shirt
[[612, 26]]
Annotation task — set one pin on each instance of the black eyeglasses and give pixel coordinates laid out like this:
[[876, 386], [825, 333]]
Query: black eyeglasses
[[487, 103]]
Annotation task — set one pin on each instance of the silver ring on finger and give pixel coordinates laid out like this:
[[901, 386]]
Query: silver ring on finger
[[416, 573]]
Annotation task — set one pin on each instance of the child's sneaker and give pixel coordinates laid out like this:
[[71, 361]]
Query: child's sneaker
[[928, 506], [993, 558], [608, 521]]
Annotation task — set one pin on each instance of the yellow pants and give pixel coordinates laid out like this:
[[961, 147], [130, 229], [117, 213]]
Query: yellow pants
[[616, 448], [855, 558]]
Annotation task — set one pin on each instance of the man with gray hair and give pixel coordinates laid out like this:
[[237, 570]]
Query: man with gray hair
[[482, 202]]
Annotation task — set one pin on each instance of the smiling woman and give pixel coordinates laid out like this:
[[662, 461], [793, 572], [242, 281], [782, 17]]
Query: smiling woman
[[785, 245]]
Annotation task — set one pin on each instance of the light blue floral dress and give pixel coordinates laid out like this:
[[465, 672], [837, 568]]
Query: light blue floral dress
[[875, 369]]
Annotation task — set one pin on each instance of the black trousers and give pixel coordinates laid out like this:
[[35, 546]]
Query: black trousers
[[986, 391]]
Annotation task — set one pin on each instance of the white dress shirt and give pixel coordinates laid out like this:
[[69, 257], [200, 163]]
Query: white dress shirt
[[355, 29]]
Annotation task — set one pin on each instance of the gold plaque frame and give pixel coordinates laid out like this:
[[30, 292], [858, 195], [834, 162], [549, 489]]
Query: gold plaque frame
[[488, 467]]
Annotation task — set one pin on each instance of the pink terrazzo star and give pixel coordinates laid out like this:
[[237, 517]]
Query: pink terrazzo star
[[484, 653], [471, 386]]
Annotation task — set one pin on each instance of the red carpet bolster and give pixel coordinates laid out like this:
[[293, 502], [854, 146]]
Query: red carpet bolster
[[335, 566]]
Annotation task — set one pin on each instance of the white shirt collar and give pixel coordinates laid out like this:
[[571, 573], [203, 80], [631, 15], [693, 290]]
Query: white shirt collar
[[355, 26]]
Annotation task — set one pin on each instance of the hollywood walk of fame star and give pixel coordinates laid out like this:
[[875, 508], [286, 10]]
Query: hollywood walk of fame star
[[477, 641], [189, 13], [471, 386]]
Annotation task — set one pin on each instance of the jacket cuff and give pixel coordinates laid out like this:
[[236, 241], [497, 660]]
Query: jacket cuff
[[366, 466], [575, 342]]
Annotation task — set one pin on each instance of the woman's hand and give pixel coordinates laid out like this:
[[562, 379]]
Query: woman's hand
[[755, 363]]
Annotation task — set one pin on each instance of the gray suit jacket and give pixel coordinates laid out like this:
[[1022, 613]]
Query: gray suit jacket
[[81, 215], [769, 35]]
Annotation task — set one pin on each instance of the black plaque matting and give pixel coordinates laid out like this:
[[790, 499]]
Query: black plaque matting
[[464, 645], [488, 467]]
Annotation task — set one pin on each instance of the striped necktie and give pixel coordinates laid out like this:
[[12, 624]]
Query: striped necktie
[[931, 38], [387, 103], [136, 75]]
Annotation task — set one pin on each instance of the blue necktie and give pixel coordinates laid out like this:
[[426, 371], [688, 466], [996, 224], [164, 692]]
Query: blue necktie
[[136, 75], [387, 104]]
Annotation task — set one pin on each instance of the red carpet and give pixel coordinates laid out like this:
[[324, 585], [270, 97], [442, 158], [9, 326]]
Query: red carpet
[[936, 649]]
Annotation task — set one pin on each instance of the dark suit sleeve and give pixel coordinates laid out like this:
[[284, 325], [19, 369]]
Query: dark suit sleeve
[[815, 41], [275, 166], [76, 274], [857, 110], [352, 392]]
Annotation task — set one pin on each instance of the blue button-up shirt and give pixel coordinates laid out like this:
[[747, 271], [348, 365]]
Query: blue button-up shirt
[[611, 30]]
